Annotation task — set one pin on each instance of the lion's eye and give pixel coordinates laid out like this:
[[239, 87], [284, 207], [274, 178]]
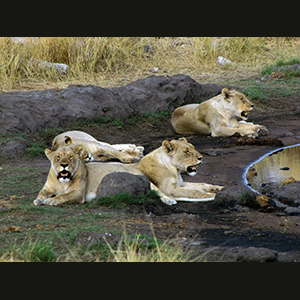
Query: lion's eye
[[58, 157], [71, 157]]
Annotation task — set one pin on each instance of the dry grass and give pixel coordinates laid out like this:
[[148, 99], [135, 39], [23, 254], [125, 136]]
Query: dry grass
[[134, 251], [116, 61]]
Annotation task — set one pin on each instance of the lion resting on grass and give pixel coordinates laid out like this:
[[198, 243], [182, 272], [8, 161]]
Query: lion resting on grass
[[127, 153], [70, 179], [217, 116]]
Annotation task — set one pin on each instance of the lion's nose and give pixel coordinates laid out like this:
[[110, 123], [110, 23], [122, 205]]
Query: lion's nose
[[64, 165]]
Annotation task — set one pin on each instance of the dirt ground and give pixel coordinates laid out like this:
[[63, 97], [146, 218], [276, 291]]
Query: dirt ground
[[216, 235]]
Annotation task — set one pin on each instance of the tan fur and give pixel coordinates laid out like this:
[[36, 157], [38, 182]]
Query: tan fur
[[71, 189], [127, 153], [217, 116], [162, 167]]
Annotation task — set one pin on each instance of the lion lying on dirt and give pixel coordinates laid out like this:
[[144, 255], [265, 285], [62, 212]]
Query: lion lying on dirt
[[217, 116], [70, 179], [127, 153]]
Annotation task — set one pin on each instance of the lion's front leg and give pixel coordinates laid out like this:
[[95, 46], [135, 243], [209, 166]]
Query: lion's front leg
[[105, 153], [163, 197], [74, 196], [252, 130], [42, 196], [191, 193], [170, 187], [206, 187]]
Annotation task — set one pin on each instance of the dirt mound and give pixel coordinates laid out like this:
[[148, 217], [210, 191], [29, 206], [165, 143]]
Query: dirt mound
[[34, 110]]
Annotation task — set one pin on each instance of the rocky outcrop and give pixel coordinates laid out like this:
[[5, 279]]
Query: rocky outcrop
[[35, 110]]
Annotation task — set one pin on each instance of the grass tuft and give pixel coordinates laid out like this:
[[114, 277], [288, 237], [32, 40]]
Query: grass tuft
[[123, 199]]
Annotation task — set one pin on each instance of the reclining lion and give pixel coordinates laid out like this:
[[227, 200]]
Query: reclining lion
[[217, 116], [70, 179], [127, 153]]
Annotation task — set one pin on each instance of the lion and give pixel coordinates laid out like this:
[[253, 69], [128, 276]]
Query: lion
[[67, 178], [71, 179], [221, 116], [164, 166], [101, 151]]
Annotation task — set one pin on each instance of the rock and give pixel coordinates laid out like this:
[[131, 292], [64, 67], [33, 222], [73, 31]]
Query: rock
[[154, 70], [288, 181], [239, 194], [223, 61], [240, 208], [31, 111], [122, 182], [213, 152], [265, 202], [292, 211], [41, 64], [87, 238], [15, 147], [60, 68], [288, 194], [254, 254], [278, 204]]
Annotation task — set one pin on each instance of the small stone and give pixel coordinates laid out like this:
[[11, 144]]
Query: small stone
[[223, 61], [263, 201], [255, 254], [292, 211]]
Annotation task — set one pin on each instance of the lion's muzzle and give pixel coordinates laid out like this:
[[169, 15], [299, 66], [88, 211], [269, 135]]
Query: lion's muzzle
[[64, 175], [192, 170], [244, 115]]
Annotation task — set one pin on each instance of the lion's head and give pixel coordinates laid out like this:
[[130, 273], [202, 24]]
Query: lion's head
[[183, 155], [237, 103], [65, 161]]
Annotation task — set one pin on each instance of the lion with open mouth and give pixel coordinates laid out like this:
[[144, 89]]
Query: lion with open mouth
[[71, 179], [223, 115]]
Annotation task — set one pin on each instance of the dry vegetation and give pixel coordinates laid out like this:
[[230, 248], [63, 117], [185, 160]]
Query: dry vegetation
[[113, 61]]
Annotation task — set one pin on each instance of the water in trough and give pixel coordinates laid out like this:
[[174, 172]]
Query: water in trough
[[281, 164]]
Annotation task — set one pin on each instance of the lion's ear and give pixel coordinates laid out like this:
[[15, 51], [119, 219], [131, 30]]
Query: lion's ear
[[183, 139], [225, 93], [68, 140], [49, 153], [167, 146], [80, 151]]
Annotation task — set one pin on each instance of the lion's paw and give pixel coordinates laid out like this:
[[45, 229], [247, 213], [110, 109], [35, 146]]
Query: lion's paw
[[216, 188], [130, 159], [50, 201], [262, 131], [167, 200], [37, 202]]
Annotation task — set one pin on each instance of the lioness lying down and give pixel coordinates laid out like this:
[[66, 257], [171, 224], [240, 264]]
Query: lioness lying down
[[127, 153], [70, 179], [217, 116]]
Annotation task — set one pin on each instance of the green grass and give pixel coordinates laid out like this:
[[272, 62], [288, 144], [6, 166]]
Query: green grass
[[19, 181], [262, 91], [36, 251], [122, 200], [267, 70]]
